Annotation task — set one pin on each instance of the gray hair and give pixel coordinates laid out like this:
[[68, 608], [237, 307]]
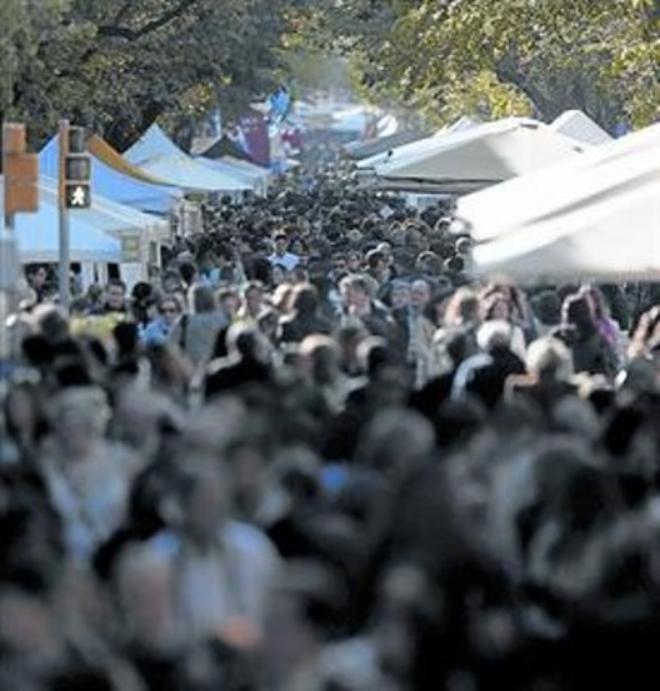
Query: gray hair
[[494, 333], [549, 356]]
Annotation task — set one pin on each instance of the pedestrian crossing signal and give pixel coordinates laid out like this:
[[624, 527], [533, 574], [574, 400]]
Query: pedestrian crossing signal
[[77, 196], [77, 170]]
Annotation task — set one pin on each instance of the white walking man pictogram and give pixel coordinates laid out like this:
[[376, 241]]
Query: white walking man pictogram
[[78, 198]]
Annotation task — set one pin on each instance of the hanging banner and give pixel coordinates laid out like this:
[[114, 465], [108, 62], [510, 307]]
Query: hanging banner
[[254, 137]]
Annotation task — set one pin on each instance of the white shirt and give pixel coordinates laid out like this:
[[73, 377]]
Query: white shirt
[[287, 260]]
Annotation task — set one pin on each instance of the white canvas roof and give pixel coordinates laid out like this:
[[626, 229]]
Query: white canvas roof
[[579, 126], [158, 156], [418, 144], [95, 232], [485, 154], [593, 218]]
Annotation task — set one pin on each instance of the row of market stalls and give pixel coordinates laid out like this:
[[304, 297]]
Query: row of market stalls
[[542, 202], [135, 198], [594, 217]]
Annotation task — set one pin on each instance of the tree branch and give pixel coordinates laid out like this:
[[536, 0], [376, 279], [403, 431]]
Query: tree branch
[[122, 11], [111, 31]]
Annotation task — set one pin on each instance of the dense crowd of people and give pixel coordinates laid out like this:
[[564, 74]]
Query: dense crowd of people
[[313, 454]]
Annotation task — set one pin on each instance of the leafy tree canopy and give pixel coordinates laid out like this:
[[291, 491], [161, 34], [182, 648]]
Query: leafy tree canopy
[[117, 65], [444, 58]]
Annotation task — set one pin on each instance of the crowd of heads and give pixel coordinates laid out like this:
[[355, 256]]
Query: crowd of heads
[[313, 454]]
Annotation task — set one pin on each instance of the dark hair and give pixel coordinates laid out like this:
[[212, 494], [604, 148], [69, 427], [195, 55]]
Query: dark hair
[[187, 271], [576, 312], [374, 257], [547, 307], [305, 298]]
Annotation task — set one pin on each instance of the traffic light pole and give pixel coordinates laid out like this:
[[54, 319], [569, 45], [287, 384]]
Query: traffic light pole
[[65, 250], [7, 289], [7, 257]]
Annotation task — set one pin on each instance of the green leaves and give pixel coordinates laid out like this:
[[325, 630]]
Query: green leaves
[[118, 64], [450, 57]]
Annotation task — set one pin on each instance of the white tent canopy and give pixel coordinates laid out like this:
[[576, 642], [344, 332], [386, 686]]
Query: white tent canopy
[[157, 155], [37, 235], [255, 177], [579, 126], [593, 218], [419, 145], [372, 162], [482, 155], [600, 171]]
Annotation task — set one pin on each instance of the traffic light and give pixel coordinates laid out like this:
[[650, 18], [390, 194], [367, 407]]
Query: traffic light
[[21, 171], [77, 171]]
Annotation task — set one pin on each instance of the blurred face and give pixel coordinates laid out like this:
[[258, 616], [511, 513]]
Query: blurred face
[[253, 299], [501, 311], [386, 250], [206, 504], [400, 297], [420, 295], [353, 262], [230, 305], [169, 311], [250, 476], [39, 277], [77, 430], [355, 297], [171, 284], [339, 264], [280, 245], [115, 297]]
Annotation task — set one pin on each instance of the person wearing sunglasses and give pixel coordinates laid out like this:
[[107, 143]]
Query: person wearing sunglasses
[[158, 330]]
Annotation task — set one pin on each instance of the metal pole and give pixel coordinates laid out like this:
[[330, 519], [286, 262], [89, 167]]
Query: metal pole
[[65, 250], [7, 290], [8, 263]]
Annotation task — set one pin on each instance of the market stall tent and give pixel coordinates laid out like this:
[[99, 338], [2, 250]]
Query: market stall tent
[[579, 126], [38, 239], [155, 154], [95, 234], [252, 175], [361, 150], [480, 156], [593, 218], [414, 145], [597, 173], [116, 179]]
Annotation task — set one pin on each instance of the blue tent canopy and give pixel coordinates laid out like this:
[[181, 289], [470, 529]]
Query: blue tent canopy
[[106, 181]]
